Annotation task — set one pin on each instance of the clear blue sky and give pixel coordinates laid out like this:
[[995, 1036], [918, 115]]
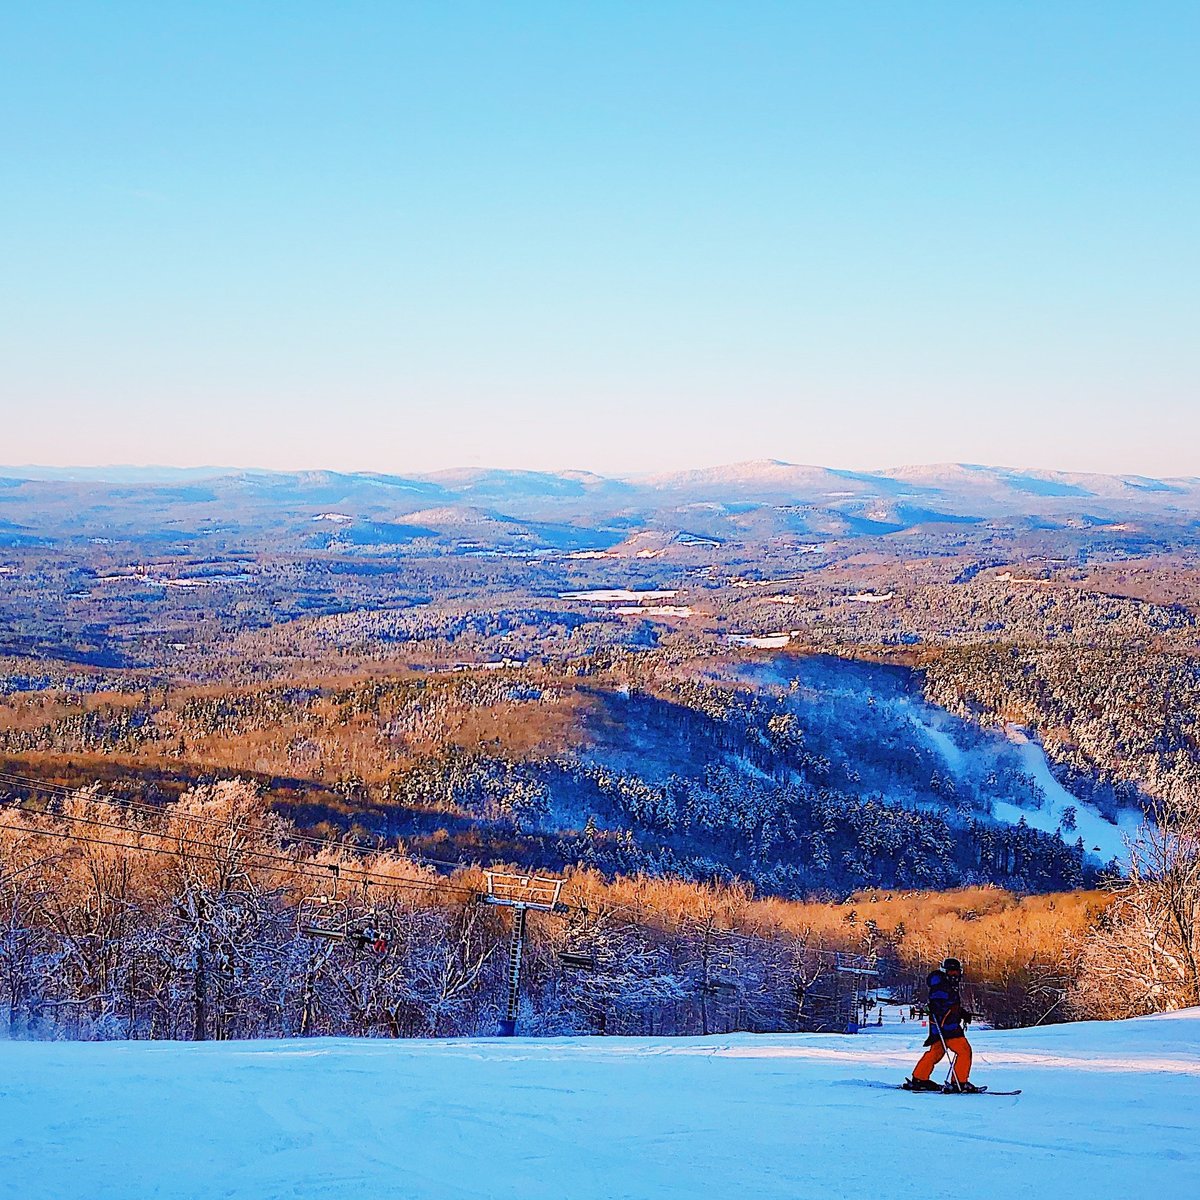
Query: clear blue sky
[[399, 236]]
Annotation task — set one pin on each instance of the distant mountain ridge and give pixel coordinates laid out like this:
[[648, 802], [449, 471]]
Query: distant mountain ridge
[[766, 473], [516, 509]]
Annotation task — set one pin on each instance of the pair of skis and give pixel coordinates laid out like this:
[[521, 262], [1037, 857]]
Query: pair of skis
[[949, 1091]]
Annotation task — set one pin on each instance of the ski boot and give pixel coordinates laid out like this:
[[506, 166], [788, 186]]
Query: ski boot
[[920, 1085], [955, 1088]]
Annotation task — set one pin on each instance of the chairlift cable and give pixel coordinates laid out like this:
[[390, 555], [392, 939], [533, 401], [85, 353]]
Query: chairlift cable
[[180, 839], [15, 780], [294, 866], [643, 915], [151, 810]]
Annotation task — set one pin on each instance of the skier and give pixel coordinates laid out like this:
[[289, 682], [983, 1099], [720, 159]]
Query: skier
[[947, 1019], [369, 936]]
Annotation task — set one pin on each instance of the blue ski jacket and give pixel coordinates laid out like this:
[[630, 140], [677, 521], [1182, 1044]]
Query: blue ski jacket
[[945, 1008]]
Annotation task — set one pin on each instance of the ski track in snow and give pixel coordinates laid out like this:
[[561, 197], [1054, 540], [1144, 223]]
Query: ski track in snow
[[1108, 1110]]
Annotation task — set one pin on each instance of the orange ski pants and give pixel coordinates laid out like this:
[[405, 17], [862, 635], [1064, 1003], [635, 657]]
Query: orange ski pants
[[958, 1046]]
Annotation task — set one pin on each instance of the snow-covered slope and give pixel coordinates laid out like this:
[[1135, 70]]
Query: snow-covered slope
[[1108, 1110], [1104, 840]]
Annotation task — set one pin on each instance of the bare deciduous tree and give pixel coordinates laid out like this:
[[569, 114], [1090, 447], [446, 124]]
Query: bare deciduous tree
[[1143, 955]]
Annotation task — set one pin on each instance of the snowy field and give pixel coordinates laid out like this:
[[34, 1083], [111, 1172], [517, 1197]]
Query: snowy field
[[1108, 1110]]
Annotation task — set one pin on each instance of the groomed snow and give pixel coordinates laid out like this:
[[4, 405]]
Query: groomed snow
[[1108, 1111]]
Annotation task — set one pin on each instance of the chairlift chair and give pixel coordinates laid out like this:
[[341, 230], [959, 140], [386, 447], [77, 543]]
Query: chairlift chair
[[324, 917], [716, 976], [720, 976], [576, 960], [721, 961], [855, 964], [579, 954], [333, 920], [366, 935]]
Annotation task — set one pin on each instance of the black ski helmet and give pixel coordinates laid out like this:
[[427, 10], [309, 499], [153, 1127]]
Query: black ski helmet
[[952, 966]]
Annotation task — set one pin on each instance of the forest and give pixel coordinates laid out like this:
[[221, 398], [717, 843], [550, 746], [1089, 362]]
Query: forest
[[214, 918], [797, 790], [453, 703]]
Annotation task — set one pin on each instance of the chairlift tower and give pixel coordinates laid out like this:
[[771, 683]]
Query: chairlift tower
[[860, 967], [520, 893]]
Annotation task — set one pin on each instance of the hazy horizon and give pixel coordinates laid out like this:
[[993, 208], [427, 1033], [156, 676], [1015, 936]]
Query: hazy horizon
[[1182, 461]]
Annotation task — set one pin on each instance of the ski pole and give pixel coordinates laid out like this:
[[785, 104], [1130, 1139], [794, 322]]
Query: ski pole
[[950, 1075]]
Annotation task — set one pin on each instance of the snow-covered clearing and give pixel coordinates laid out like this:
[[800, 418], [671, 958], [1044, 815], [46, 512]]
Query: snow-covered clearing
[[1009, 577], [1101, 838], [768, 641], [1108, 1110], [615, 594], [653, 610]]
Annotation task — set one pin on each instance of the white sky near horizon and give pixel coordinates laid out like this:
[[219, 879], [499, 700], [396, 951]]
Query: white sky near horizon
[[620, 239]]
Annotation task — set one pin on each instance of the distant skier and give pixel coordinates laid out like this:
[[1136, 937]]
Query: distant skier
[[947, 1019]]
